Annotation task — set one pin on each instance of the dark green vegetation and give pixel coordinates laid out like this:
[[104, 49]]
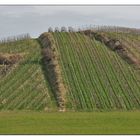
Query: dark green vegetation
[[70, 123]]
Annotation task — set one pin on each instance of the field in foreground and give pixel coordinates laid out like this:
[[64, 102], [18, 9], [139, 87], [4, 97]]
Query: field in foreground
[[69, 123]]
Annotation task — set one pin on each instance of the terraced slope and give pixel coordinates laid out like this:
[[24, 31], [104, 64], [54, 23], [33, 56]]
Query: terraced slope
[[125, 44], [131, 41], [131, 44], [64, 71], [96, 77], [24, 86]]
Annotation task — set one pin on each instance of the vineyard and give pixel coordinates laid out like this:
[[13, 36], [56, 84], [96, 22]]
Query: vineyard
[[24, 86], [131, 42], [125, 44], [96, 77], [69, 71]]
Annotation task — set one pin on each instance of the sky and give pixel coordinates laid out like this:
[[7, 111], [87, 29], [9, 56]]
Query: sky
[[35, 20]]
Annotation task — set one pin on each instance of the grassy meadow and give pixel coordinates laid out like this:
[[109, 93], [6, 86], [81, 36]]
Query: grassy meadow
[[29, 122]]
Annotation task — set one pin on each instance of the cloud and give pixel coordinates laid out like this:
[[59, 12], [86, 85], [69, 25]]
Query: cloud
[[37, 19]]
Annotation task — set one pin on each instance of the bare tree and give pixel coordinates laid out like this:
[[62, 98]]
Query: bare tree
[[15, 38]]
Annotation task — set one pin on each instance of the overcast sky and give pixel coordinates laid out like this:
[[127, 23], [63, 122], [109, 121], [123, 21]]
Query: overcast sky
[[34, 20]]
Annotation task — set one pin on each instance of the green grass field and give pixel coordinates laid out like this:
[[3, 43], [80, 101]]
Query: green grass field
[[69, 123]]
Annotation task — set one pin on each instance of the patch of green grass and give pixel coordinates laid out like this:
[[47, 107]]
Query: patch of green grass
[[69, 122]]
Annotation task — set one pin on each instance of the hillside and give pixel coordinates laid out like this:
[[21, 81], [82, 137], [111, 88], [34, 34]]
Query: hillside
[[96, 78], [68, 71], [24, 86], [126, 45]]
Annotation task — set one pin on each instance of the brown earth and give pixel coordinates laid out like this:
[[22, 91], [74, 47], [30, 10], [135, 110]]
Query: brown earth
[[7, 61], [50, 58]]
